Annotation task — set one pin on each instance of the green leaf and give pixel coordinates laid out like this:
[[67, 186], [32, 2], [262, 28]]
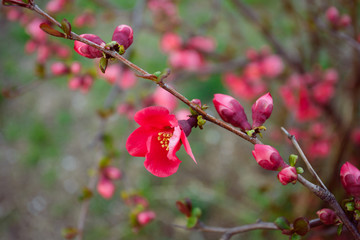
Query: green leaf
[[301, 226], [350, 206], [191, 222], [339, 229], [49, 30], [299, 170], [103, 64], [66, 26], [196, 212], [282, 223], [295, 237], [293, 159], [86, 194]]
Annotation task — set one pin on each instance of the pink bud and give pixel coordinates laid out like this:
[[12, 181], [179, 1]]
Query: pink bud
[[128, 79], [287, 175], [231, 111], [123, 34], [332, 15], [55, 6], [43, 53], [145, 217], [261, 110], [75, 68], [34, 30], [327, 216], [201, 43], [86, 50], [350, 179], [62, 51], [345, 20], [105, 187], [59, 68], [272, 66], [86, 18], [196, 101], [190, 60], [170, 42], [112, 173], [268, 157], [31, 46], [331, 76]]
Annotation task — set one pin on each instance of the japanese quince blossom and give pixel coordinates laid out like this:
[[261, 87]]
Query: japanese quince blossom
[[158, 139], [350, 179]]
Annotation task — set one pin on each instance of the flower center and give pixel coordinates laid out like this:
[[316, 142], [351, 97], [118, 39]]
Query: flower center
[[164, 138]]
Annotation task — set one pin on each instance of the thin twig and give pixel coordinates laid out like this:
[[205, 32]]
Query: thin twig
[[302, 154]]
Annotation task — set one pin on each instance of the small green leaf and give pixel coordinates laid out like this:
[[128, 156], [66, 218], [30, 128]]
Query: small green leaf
[[49, 30], [295, 237], [86, 194], [282, 223], [191, 222], [66, 26], [103, 64], [350, 206], [301, 226], [299, 170], [293, 159], [339, 229], [69, 232], [196, 212]]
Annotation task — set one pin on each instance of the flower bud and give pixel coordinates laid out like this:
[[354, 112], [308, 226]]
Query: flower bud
[[287, 175], [105, 187], [268, 157], [59, 68], [327, 216], [345, 20], [261, 110], [231, 111], [170, 42], [75, 68], [123, 34], [86, 50], [332, 14], [350, 179], [145, 217], [112, 173]]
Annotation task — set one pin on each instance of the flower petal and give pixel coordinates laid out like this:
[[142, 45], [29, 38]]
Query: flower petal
[[174, 143], [136, 142], [187, 146], [157, 162], [155, 117]]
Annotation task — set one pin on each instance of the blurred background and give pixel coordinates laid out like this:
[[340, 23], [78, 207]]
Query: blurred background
[[59, 116]]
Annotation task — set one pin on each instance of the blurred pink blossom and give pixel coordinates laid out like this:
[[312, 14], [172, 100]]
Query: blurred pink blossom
[[165, 99], [170, 42]]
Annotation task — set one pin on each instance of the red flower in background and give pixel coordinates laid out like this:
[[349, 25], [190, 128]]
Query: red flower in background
[[158, 139]]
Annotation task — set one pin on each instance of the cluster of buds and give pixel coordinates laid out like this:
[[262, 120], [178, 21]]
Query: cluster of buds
[[303, 93], [78, 80], [261, 65], [269, 158], [187, 55], [337, 21], [231, 111], [140, 214], [122, 39], [192, 213], [107, 175]]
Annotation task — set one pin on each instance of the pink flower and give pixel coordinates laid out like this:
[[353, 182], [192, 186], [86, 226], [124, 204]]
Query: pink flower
[[287, 175], [123, 34], [268, 157], [145, 217], [190, 60], [55, 6], [306, 109], [82, 83], [86, 50], [75, 68], [327, 216], [170, 42], [85, 19], [350, 179], [34, 30], [112, 173], [261, 110], [231, 111], [158, 139], [345, 20], [59, 68]]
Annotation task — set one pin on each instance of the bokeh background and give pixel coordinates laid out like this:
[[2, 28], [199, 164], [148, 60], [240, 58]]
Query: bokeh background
[[49, 134]]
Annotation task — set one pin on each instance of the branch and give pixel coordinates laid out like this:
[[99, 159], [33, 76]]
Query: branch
[[227, 233], [308, 165]]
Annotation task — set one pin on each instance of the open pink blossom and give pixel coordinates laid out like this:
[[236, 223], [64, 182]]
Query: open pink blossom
[[158, 139], [350, 179], [268, 157], [86, 50]]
